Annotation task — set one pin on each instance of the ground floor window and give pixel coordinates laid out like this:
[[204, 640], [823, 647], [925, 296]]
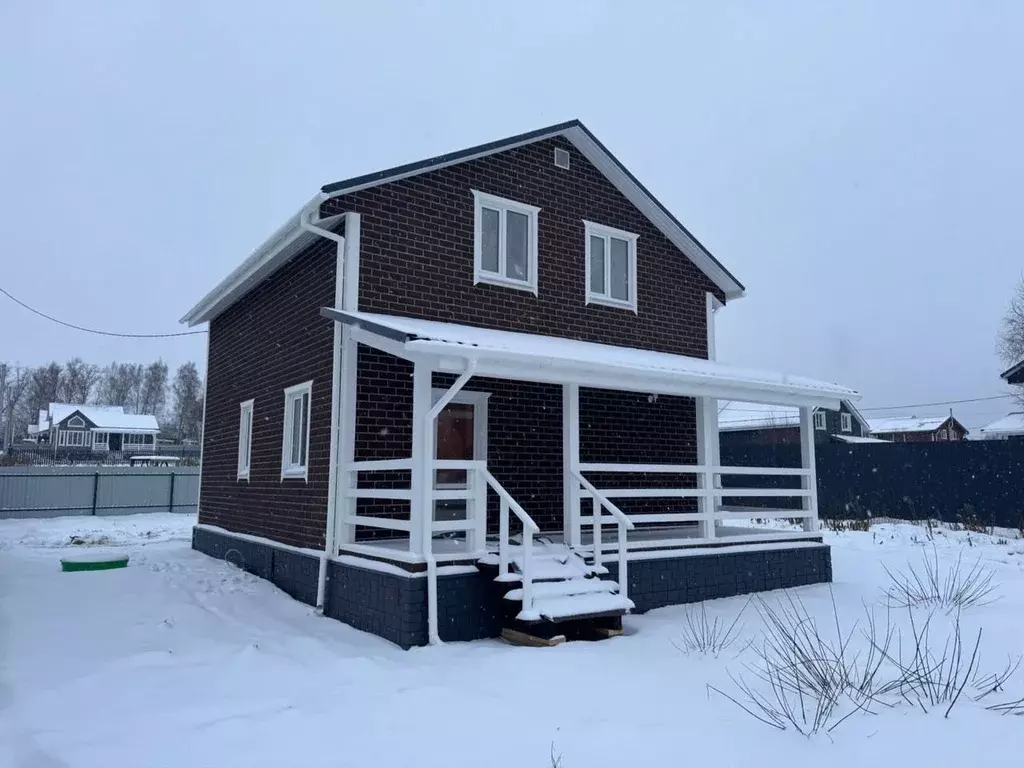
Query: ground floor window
[[134, 440], [72, 438], [99, 440]]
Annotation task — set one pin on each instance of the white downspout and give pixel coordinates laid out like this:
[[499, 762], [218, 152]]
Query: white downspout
[[332, 484], [433, 634]]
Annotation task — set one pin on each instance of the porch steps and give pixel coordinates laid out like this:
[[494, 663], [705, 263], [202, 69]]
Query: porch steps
[[569, 597], [566, 588]]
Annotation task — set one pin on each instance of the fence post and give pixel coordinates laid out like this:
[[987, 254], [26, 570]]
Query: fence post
[[95, 490], [170, 501]]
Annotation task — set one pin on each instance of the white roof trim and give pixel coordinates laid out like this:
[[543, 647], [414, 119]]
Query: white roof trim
[[291, 239], [530, 357]]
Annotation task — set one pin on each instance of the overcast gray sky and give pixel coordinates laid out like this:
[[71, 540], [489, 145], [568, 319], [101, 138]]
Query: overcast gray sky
[[857, 166]]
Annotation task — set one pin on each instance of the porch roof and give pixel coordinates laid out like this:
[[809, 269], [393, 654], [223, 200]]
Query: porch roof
[[531, 357]]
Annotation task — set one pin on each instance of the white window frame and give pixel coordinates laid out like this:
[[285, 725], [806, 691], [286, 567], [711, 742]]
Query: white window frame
[[64, 438], [503, 206], [820, 421], [245, 439], [98, 444], [479, 402], [297, 471], [591, 229], [846, 421], [76, 422], [136, 439]]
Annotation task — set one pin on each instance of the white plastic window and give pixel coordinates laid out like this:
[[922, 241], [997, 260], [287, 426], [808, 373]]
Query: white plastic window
[[505, 242], [611, 266], [295, 451], [245, 440]]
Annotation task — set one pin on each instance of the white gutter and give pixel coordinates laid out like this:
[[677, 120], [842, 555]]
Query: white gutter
[[433, 634], [332, 484]]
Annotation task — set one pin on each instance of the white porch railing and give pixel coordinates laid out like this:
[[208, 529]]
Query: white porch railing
[[624, 524], [473, 524], [708, 493]]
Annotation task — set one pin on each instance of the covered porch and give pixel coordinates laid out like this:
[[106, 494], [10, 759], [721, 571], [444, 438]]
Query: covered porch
[[400, 510]]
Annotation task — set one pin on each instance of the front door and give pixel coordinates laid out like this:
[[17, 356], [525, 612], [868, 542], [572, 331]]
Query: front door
[[114, 441], [461, 436]]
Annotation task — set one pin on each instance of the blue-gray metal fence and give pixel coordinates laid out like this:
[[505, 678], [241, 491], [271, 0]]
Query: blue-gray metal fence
[[27, 492]]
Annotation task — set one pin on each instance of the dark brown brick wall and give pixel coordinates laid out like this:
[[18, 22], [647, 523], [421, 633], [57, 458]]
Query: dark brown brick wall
[[417, 260], [416, 254], [272, 339]]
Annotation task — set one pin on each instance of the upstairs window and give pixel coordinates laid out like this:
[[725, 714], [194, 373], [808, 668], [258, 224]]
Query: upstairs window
[[295, 451], [77, 422], [505, 242], [611, 266], [245, 440], [819, 420], [847, 422]]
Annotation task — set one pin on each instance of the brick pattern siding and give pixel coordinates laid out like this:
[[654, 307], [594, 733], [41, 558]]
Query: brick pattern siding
[[416, 254], [273, 338]]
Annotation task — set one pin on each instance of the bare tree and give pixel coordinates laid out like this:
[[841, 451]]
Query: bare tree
[[14, 382], [77, 382], [188, 402], [1010, 344], [154, 389], [120, 384], [44, 387]]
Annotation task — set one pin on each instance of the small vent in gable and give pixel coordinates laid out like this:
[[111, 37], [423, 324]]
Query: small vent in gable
[[561, 159]]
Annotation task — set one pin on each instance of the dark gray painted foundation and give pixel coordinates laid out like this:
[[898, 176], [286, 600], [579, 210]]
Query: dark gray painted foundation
[[394, 606]]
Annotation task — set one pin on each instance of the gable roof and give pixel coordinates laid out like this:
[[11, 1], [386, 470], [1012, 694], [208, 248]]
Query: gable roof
[[738, 416], [907, 424], [1009, 425], [292, 238], [105, 417], [1014, 374]]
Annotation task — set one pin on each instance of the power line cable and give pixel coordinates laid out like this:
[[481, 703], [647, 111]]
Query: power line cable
[[93, 330], [943, 402]]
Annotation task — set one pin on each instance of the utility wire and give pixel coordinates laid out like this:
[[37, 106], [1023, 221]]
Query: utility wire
[[93, 330], [944, 402]]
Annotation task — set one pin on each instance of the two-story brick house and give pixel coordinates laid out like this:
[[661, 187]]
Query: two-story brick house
[[435, 387]]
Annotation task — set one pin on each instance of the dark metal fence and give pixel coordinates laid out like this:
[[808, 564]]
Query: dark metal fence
[[972, 482], [57, 492]]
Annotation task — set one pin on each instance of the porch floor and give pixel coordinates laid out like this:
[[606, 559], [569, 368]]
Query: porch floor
[[447, 549]]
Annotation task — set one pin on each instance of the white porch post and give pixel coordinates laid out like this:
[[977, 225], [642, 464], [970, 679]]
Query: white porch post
[[421, 510], [707, 457], [346, 480], [570, 463], [810, 481]]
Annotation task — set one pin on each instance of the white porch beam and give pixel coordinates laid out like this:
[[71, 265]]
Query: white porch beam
[[570, 463], [707, 459], [809, 482], [625, 381]]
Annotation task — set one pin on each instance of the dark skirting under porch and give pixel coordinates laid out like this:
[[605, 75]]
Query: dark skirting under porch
[[380, 599]]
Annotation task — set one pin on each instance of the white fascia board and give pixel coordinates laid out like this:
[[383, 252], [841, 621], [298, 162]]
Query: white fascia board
[[225, 291], [679, 237]]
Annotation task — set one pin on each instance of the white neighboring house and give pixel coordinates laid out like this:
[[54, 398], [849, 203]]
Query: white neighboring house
[[97, 428], [1008, 427]]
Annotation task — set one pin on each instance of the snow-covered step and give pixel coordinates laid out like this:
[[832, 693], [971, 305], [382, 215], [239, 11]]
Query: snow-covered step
[[563, 607], [566, 588], [543, 568]]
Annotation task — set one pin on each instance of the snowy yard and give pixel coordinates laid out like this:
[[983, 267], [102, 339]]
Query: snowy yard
[[182, 660]]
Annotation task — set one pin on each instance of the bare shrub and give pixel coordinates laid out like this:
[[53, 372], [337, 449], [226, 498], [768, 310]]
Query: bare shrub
[[956, 589], [810, 682], [699, 635], [927, 678]]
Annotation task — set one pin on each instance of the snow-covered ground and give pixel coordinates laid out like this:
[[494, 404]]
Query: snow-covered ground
[[182, 660]]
